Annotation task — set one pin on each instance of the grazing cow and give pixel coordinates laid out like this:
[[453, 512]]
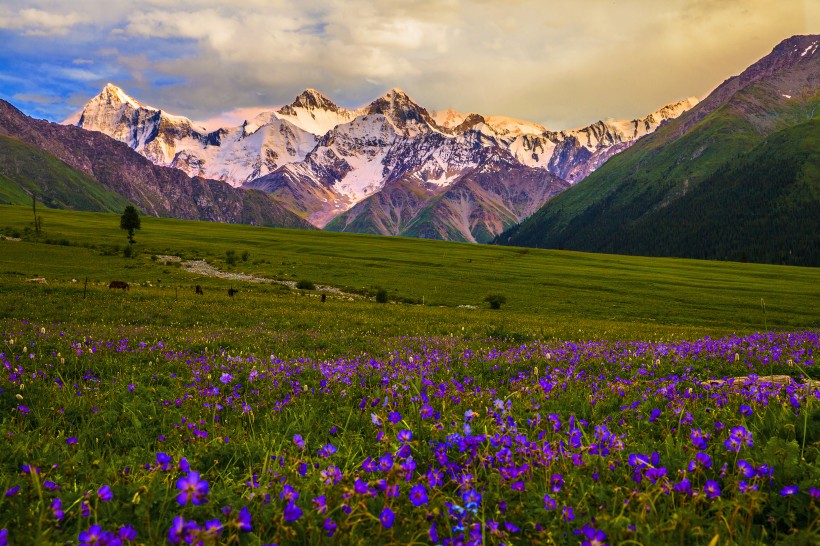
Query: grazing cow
[[119, 284], [199, 290], [231, 292]]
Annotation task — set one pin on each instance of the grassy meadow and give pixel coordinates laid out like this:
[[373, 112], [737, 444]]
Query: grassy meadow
[[611, 399]]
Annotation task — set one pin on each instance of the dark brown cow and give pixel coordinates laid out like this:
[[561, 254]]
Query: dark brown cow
[[119, 284], [199, 290], [231, 292]]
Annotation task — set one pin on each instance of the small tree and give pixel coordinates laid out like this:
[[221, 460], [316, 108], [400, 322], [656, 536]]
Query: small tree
[[495, 300], [130, 221], [381, 295]]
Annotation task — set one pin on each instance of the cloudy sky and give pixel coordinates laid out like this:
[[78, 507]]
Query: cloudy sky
[[563, 63]]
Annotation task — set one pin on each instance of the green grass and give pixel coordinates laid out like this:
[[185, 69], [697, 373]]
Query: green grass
[[25, 170], [549, 293]]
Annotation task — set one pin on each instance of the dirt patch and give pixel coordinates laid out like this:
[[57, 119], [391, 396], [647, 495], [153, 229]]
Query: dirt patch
[[201, 267]]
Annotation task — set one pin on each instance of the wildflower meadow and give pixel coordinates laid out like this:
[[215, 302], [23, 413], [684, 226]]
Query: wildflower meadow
[[148, 436]]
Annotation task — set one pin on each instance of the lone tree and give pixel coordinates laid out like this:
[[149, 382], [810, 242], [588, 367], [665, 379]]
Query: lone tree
[[130, 221], [495, 300]]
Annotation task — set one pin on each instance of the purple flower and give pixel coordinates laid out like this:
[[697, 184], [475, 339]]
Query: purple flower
[[4, 537], [375, 420], [387, 516], [711, 489], [549, 503], [594, 537], [684, 487], [746, 469], [738, 436], [93, 536], [289, 493], [327, 450], [104, 493], [193, 489], [163, 460], [11, 491], [71, 441], [126, 532], [292, 512], [179, 529], [226, 378], [404, 436], [556, 483], [699, 438], [297, 439], [329, 526], [418, 495], [360, 486], [744, 487], [789, 490], [745, 410], [57, 508], [212, 528], [426, 411], [243, 520], [654, 414], [567, 513]]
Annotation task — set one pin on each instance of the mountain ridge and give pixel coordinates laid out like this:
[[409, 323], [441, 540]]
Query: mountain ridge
[[157, 191], [629, 202], [320, 160]]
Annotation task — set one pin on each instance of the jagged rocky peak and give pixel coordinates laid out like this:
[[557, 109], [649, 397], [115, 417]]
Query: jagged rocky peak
[[310, 99], [406, 114], [113, 94]]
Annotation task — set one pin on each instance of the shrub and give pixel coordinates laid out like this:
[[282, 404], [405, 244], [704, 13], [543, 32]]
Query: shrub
[[495, 300], [381, 295], [230, 257], [129, 251], [305, 285], [245, 256]]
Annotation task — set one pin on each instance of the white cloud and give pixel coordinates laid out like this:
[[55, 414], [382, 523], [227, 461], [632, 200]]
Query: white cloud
[[561, 63], [37, 22]]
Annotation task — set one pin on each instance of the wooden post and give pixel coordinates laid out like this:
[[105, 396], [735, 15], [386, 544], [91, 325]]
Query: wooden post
[[85, 288]]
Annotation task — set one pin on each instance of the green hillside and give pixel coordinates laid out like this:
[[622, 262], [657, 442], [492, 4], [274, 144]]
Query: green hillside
[[25, 170], [716, 183], [570, 294]]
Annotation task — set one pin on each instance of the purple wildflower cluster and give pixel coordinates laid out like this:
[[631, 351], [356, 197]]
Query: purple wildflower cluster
[[459, 441]]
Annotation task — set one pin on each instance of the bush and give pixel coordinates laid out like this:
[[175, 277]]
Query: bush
[[245, 256], [129, 252], [495, 300], [381, 295], [230, 257], [305, 285]]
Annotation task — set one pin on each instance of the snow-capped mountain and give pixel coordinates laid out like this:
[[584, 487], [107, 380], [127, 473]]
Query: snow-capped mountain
[[320, 159]]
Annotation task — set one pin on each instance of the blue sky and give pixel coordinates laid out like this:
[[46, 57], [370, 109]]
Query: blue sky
[[557, 62]]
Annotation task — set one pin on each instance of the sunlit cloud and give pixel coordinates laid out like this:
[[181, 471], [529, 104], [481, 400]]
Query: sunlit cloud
[[560, 63]]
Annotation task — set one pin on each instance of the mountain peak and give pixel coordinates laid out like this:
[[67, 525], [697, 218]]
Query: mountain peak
[[310, 99], [111, 93]]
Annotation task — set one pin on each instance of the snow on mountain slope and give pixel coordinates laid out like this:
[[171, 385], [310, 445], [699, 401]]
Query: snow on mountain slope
[[234, 155], [320, 159], [315, 113]]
